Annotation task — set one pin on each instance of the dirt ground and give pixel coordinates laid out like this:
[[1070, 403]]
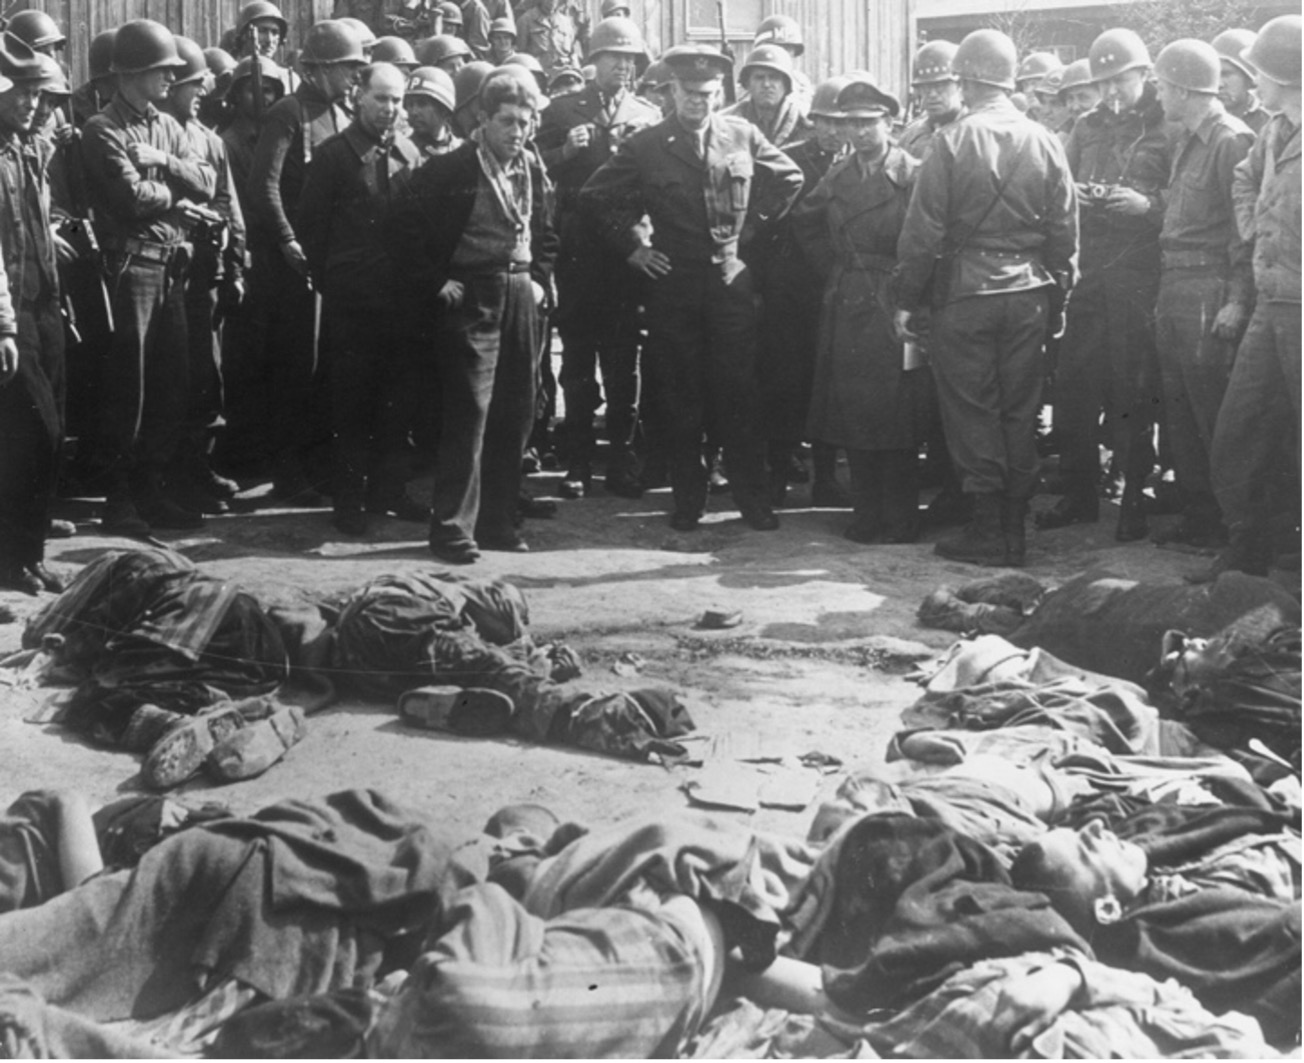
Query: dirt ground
[[817, 665]]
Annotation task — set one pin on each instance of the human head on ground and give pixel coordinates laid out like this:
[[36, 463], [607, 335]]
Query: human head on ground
[[1089, 875]]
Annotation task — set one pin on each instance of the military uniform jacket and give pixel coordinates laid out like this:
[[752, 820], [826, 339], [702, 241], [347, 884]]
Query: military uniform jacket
[[1029, 236], [918, 136], [293, 129], [700, 208], [226, 201], [790, 122], [1266, 190], [1129, 149]]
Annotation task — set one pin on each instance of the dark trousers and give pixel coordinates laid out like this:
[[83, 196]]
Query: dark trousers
[[204, 402], [1107, 362], [1194, 369], [146, 376], [885, 492], [488, 355], [700, 372], [30, 435], [372, 396], [987, 361], [1259, 421]]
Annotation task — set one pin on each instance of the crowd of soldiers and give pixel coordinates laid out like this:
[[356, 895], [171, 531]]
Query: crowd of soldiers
[[335, 266]]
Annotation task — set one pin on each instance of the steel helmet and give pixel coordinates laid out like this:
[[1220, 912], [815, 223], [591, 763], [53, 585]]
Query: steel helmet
[[656, 76], [434, 83], [450, 14], [1076, 74], [618, 35], [196, 66], [933, 63], [53, 80], [824, 101], [1189, 64], [1275, 52], [258, 10], [142, 45], [772, 57], [362, 30], [525, 61], [19, 61], [505, 25], [467, 81], [782, 30], [612, 7], [1115, 52], [1051, 82], [220, 61], [563, 74], [37, 29], [434, 50], [99, 57], [1036, 66], [987, 56], [394, 50], [269, 72], [332, 41], [526, 74], [1231, 46]]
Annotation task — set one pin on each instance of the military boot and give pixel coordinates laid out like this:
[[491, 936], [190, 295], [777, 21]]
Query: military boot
[[982, 542], [1013, 514]]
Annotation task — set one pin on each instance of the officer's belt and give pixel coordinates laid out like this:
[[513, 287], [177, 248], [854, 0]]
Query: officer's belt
[[1195, 259], [489, 271], [145, 250], [873, 263]]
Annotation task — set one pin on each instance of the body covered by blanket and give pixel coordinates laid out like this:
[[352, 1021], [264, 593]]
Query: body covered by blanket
[[302, 898], [147, 627], [895, 905]]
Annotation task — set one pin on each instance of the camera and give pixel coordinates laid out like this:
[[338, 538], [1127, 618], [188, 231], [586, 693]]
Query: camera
[[1096, 190]]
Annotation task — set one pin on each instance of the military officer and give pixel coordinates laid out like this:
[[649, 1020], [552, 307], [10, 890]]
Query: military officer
[[706, 181], [785, 31], [937, 91], [994, 199], [1236, 78], [597, 295], [770, 106], [429, 102]]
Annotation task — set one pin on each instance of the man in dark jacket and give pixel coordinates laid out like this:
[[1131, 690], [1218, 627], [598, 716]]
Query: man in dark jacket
[[472, 238], [344, 200], [994, 201], [706, 181]]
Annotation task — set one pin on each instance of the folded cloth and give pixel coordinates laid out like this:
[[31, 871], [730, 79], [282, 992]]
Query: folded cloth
[[326, 1026]]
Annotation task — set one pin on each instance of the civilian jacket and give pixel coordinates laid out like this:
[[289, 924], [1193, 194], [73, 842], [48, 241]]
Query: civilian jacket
[[1027, 239], [1129, 149], [293, 129], [341, 211], [1266, 190], [701, 209], [430, 214]]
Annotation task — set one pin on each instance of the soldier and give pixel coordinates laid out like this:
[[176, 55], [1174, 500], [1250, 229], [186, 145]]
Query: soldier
[[785, 31], [294, 128], [476, 23], [1079, 90], [792, 281], [213, 109], [261, 29], [364, 32], [31, 332], [654, 86], [473, 240], [345, 198], [38, 31], [429, 101], [395, 51], [992, 227], [90, 97], [525, 61], [1236, 79], [142, 174], [214, 286], [567, 81], [1206, 283], [1119, 156], [614, 9], [706, 181], [466, 83], [550, 34], [770, 106], [447, 52], [1034, 67], [937, 93], [598, 296], [502, 40], [241, 134], [1260, 412]]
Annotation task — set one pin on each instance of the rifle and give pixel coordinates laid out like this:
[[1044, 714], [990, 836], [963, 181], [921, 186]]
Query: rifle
[[250, 42], [730, 90]]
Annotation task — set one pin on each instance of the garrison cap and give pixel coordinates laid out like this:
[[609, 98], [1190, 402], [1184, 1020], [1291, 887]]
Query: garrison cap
[[697, 62]]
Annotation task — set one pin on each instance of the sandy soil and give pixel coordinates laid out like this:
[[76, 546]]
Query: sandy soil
[[817, 665]]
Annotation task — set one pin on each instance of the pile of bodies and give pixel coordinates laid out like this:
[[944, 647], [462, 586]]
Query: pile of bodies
[[1053, 869]]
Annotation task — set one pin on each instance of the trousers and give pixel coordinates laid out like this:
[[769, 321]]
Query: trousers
[[987, 361]]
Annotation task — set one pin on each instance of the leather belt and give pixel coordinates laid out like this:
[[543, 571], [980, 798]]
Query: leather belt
[[145, 250], [1195, 259]]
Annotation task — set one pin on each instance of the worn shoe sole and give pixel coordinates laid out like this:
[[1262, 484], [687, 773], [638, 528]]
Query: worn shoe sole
[[181, 752], [251, 750], [460, 710]]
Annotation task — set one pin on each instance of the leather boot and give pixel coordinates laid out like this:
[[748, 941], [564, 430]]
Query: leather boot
[[982, 541], [1248, 550], [1013, 514]]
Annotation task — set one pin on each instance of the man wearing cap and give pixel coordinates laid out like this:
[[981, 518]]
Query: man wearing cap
[[143, 173], [429, 101], [992, 230], [707, 182], [1206, 284], [502, 40], [1236, 78], [767, 75], [1260, 413], [549, 33], [1119, 155], [937, 93], [293, 130], [214, 286], [348, 192], [598, 296], [31, 330]]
